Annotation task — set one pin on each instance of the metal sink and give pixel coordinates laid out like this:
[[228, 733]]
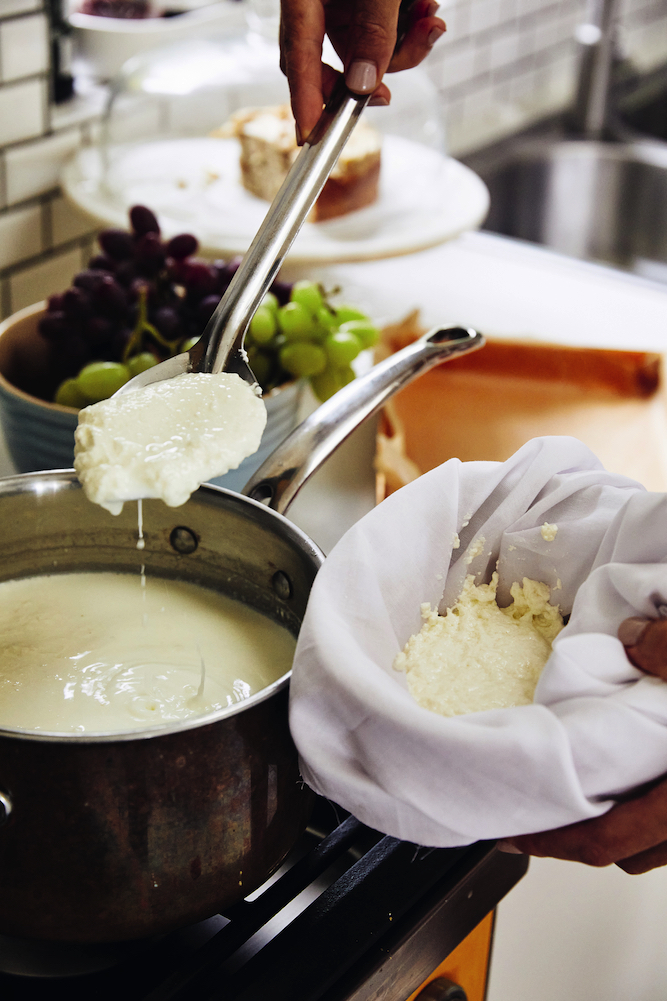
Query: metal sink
[[640, 115], [600, 201], [591, 184]]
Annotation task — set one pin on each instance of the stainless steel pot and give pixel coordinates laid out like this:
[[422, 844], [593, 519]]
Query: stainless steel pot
[[116, 836]]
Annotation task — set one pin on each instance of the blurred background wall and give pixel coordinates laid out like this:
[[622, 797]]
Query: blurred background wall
[[502, 65]]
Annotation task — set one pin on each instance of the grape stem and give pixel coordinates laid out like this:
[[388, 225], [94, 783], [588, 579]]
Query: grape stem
[[142, 327]]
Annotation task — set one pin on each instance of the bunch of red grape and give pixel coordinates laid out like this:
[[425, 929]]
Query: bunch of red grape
[[143, 299], [117, 8]]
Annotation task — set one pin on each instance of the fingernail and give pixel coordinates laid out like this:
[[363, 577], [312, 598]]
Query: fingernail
[[434, 34], [378, 102], [508, 848], [631, 630], [431, 9], [361, 77], [299, 137]]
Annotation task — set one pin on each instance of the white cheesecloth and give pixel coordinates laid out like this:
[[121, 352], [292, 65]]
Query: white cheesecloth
[[597, 727]]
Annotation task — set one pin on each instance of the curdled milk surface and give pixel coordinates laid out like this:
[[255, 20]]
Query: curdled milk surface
[[166, 439], [96, 652], [479, 656]]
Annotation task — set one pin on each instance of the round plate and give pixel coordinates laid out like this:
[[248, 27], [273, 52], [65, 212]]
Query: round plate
[[193, 185]]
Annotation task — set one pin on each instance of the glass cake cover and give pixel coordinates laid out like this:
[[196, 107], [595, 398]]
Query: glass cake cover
[[158, 147]]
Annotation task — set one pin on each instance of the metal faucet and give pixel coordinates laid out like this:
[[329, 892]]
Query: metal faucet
[[597, 37]]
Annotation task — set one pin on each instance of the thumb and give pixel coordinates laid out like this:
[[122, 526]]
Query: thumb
[[645, 642], [372, 37]]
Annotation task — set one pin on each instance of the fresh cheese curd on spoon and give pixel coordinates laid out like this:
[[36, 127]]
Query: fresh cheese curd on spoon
[[164, 440]]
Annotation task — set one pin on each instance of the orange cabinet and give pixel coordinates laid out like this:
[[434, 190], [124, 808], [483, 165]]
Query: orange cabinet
[[467, 965]]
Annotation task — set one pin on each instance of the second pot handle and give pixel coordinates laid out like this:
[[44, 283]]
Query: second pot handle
[[279, 479]]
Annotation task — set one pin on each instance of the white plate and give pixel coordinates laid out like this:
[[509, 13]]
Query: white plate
[[193, 186]]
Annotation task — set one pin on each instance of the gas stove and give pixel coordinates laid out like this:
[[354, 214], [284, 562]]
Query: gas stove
[[352, 915]]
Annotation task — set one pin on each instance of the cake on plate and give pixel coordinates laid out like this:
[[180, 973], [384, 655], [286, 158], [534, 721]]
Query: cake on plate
[[268, 149]]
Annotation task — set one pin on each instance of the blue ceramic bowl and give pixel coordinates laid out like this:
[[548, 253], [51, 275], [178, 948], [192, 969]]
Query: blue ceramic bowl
[[40, 435]]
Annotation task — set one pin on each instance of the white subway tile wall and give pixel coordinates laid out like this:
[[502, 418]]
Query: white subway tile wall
[[34, 283], [24, 49], [34, 168], [23, 110], [9, 7], [67, 222], [20, 234], [502, 65]]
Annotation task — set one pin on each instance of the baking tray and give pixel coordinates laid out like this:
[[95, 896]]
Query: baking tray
[[487, 404]]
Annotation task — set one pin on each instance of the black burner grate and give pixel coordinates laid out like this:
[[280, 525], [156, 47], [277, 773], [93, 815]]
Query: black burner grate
[[349, 910]]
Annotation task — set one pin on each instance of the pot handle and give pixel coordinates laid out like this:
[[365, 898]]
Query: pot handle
[[279, 479]]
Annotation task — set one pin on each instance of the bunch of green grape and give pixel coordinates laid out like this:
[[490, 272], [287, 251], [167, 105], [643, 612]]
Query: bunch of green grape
[[100, 379], [307, 338]]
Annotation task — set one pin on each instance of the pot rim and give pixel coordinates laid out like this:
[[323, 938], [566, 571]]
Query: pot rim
[[30, 483]]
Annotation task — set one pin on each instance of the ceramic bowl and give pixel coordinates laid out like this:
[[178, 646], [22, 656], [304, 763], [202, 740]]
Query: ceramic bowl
[[104, 44], [40, 435]]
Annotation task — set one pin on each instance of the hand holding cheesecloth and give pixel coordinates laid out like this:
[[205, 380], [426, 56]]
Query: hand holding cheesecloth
[[633, 834], [595, 735]]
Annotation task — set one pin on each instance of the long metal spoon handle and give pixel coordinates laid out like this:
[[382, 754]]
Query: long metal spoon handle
[[286, 470], [226, 328]]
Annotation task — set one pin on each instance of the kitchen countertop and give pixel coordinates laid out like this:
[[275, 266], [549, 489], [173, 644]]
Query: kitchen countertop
[[502, 287], [508, 288]]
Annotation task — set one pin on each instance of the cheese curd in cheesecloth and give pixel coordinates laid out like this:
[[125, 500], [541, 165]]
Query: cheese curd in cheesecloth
[[479, 656]]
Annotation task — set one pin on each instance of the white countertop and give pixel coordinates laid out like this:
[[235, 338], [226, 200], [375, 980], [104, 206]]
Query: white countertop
[[513, 289], [502, 287]]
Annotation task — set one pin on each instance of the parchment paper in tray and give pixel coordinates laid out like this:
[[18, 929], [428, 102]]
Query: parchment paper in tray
[[598, 726], [491, 402]]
